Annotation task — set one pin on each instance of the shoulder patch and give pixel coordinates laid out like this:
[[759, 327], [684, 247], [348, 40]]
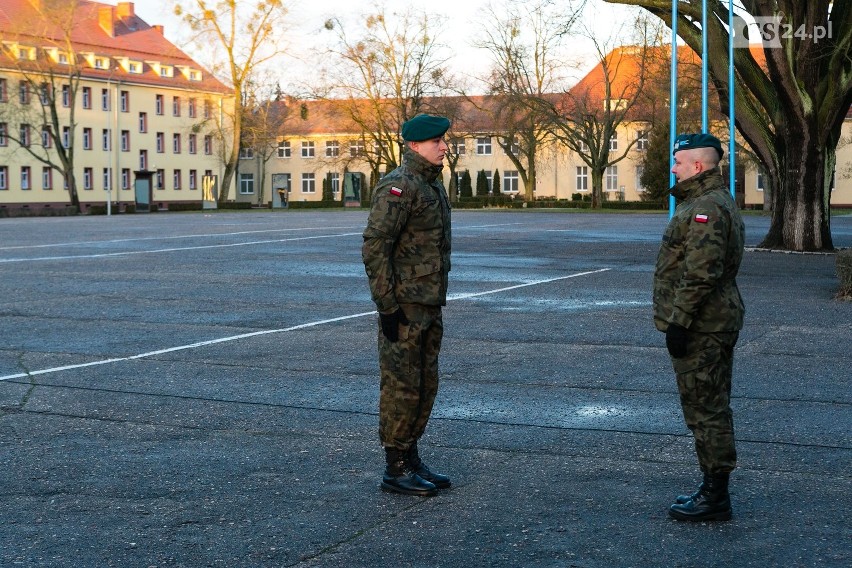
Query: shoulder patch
[[700, 218], [395, 191]]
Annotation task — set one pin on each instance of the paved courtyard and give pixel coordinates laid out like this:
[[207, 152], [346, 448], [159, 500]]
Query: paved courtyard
[[201, 390]]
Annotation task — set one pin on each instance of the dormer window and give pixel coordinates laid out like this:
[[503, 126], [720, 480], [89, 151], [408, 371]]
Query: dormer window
[[189, 72], [166, 71], [62, 58], [134, 67]]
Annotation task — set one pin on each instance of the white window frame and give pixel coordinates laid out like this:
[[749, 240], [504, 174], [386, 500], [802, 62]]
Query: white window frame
[[309, 183]]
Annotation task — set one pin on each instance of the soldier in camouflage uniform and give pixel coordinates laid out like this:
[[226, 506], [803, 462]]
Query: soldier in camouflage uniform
[[406, 254], [698, 306]]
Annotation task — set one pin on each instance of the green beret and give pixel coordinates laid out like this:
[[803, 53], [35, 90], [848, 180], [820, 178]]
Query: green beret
[[691, 141], [424, 127]]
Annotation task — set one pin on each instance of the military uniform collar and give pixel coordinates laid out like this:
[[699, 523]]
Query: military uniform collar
[[698, 184], [420, 165]]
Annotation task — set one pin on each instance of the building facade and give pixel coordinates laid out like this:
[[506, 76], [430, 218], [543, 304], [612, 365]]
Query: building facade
[[136, 113]]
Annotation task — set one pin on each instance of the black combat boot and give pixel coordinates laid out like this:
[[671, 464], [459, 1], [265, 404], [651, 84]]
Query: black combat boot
[[417, 466], [400, 478], [681, 499], [713, 502]]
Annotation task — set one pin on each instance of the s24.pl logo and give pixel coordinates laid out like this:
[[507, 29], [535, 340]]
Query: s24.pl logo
[[771, 30]]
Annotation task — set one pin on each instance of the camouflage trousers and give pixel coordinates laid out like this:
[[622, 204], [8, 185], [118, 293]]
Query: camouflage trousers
[[704, 381], [409, 376]]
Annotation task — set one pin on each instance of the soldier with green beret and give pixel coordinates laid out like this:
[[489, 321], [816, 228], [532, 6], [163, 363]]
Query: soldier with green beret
[[406, 255], [698, 306]]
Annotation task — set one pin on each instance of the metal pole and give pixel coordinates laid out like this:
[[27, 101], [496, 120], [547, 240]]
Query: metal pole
[[673, 107], [731, 100], [704, 66]]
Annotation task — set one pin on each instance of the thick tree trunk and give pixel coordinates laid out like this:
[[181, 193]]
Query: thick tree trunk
[[800, 208], [597, 188]]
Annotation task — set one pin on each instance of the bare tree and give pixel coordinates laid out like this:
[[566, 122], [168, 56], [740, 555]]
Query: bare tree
[[51, 74], [262, 122], [384, 76], [790, 110], [524, 43], [249, 39], [588, 118]]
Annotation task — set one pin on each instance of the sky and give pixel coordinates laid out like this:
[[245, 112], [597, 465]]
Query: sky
[[463, 20]]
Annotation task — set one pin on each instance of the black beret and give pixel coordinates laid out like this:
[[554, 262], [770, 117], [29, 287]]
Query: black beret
[[424, 127], [701, 140]]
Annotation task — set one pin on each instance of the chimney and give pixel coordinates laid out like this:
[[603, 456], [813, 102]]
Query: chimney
[[106, 19], [125, 10]]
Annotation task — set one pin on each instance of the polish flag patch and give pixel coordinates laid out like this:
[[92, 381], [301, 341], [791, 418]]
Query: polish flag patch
[[396, 191], [700, 218]]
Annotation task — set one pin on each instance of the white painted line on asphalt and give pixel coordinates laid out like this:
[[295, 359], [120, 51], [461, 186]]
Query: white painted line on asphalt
[[271, 331], [200, 236], [175, 249]]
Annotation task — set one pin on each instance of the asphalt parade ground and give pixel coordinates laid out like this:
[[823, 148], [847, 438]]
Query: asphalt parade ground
[[202, 390]]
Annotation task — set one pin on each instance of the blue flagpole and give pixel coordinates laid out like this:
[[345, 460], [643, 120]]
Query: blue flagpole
[[731, 114], [673, 107], [704, 66]]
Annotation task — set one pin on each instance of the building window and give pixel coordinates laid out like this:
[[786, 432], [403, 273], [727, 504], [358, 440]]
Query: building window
[[193, 179], [175, 106], [107, 179], [176, 146], [125, 101], [106, 139], [44, 94], [760, 180], [87, 97], [4, 91], [612, 178], [246, 184], [25, 177], [66, 96], [143, 160], [309, 184], [24, 135], [46, 138], [208, 108], [143, 122], [125, 140], [458, 146], [356, 148], [515, 148], [193, 143], [613, 143], [246, 153], [582, 178], [334, 179], [47, 177], [66, 136], [332, 149], [642, 140], [307, 149], [125, 178], [284, 149], [488, 178], [104, 99], [4, 134], [161, 179], [177, 178], [87, 178], [584, 148], [511, 181], [23, 93], [161, 142], [639, 171], [208, 145], [483, 146], [191, 107], [159, 103], [4, 177]]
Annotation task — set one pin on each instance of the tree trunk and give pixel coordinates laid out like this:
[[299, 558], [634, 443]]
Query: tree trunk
[[597, 188], [800, 195]]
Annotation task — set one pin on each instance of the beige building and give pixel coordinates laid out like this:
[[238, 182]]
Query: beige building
[[145, 115]]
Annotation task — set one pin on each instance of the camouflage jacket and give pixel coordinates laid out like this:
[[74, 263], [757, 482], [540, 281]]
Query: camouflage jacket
[[695, 280], [406, 248]]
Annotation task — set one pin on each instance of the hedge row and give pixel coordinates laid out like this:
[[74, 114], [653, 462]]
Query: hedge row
[[844, 273], [503, 201]]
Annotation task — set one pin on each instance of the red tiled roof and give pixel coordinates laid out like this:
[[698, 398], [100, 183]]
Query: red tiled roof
[[132, 37]]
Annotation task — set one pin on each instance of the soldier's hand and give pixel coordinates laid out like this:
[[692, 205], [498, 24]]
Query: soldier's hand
[[676, 340], [390, 324]]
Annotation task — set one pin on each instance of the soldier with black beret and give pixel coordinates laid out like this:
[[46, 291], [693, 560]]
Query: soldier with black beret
[[698, 306], [406, 255]]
